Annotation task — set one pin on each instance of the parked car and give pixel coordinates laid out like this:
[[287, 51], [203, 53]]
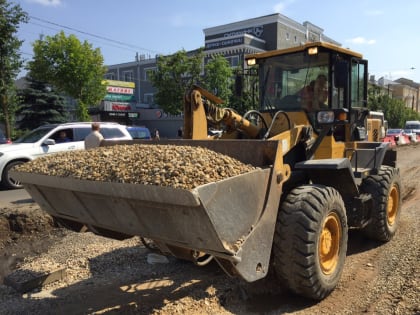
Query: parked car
[[139, 132], [50, 139], [3, 138]]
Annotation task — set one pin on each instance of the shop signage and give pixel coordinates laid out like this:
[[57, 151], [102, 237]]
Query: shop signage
[[132, 115], [225, 43], [119, 90], [119, 83], [256, 31], [116, 106], [119, 98]]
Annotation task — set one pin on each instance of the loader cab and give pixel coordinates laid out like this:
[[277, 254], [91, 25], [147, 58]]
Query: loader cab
[[318, 79]]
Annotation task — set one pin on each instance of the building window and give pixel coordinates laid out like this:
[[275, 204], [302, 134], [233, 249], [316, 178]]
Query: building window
[[295, 39], [233, 61], [287, 36], [110, 76], [148, 98], [148, 73], [128, 76]]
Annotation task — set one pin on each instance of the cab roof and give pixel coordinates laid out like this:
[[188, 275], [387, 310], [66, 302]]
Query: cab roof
[[304, 47]]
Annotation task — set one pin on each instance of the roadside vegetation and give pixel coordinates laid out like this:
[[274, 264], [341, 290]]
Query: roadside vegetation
[[63, 67], [395, 111]]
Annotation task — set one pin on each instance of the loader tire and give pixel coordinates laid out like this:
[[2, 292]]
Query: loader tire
[[310, 241], [385, 188]]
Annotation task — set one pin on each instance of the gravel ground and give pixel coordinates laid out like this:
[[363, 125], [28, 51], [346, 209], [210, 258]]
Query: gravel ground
[[105, 276]]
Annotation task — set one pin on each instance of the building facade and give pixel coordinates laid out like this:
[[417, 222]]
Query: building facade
[[402, 89], [270, 32], [233, 41]]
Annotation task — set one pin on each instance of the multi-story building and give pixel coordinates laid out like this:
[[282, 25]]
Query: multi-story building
[[402, 89], [233, 41], [408, 91], [271, 32]]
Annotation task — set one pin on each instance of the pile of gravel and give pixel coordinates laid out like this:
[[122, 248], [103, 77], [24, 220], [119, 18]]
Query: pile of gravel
[[182, 167]]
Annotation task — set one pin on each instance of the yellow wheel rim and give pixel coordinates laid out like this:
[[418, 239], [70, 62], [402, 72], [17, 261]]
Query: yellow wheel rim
[[392, 207], [329, 243]]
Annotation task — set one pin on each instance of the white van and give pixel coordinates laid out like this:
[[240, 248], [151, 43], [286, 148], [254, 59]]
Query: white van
[[413, 125]]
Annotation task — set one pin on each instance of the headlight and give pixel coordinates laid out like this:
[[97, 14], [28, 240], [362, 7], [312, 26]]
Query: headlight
[[251, 62], [1, 154], [336, 116], [325, 117]]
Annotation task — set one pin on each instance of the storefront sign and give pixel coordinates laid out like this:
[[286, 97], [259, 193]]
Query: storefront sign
[[225, 43], [256, 31], [116, 106], [119, 90], [120, 98], [119, 83], [132, 115]]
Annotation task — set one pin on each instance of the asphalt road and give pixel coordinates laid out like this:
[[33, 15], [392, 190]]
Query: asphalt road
[[14, 197]]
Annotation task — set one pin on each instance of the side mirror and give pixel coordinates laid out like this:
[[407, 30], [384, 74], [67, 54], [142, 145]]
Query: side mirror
[[49, 142]]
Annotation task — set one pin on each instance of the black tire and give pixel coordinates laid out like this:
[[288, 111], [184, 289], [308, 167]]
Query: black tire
[[385, 188], [310, 241], [7, 181]]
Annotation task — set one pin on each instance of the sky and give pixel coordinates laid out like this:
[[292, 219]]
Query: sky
[[385, 32]]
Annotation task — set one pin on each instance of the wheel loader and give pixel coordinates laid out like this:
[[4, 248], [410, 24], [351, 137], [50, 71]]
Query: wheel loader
[[316, 176]]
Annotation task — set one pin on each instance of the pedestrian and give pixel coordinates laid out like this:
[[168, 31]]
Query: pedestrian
[[94, 139], [180, 132], [157, 137]]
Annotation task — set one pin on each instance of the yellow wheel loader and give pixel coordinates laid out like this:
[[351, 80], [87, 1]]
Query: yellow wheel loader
[[316, 175]]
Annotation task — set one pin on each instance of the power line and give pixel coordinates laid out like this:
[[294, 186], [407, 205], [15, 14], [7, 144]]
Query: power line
[[100, 41], [93, 35]]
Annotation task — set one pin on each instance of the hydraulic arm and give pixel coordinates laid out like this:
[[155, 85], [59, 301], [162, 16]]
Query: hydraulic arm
[[201, 106]]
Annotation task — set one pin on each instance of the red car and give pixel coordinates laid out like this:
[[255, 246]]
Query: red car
[[3, 139]]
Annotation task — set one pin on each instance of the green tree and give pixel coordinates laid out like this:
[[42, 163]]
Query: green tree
[[175, 74], [395, 111], [40, 105], [10, 60], [72, 67], [218, 78]]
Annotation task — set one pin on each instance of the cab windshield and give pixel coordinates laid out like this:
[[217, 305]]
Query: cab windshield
[[296, 82], [300, 81]]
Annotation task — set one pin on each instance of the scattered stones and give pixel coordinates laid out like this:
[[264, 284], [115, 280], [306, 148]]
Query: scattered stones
[[184, 167]]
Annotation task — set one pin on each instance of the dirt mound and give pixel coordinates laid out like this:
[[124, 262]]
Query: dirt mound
[[24, 231], [20, 221]]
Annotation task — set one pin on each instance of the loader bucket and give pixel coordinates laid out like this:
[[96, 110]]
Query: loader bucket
[[218, 218]]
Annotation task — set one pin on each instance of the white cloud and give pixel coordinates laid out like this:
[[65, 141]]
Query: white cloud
[[361, 41], [281, 6], [47, 3]]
